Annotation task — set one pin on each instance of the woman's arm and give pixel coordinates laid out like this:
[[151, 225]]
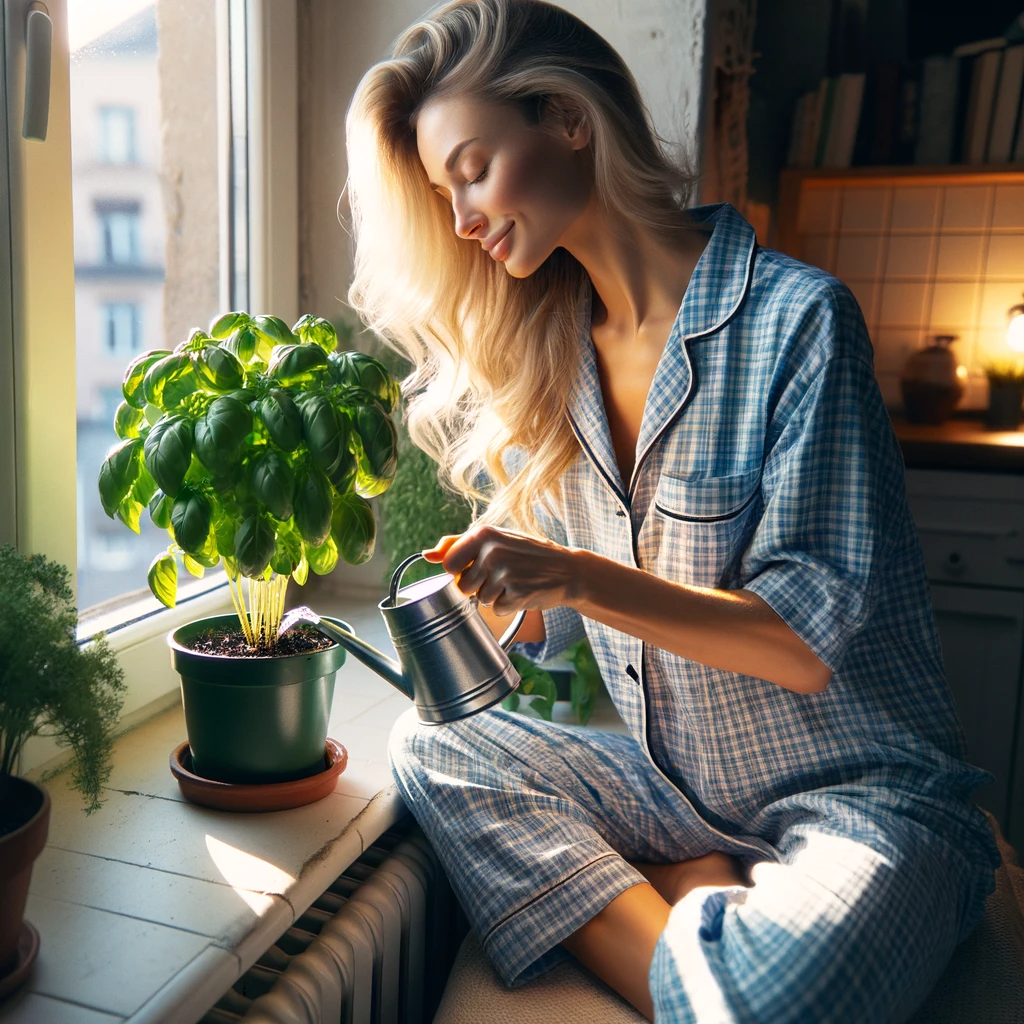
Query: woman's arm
[[733, 630]]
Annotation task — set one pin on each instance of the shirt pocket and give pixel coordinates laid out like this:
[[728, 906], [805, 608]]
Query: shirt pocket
[[703, 524]]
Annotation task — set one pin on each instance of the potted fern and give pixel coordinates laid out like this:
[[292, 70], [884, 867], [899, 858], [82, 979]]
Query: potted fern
[[256, 446], [49, 685]]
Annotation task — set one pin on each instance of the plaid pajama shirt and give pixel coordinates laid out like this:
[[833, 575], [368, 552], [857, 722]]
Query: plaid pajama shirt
[[765, 461]]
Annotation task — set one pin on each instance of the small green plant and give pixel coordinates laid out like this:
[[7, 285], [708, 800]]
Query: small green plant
[[538, 692], [1005, 372], [49, 685], [257, 446]]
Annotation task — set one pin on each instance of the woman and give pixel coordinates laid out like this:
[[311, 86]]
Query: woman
[[684, 456]]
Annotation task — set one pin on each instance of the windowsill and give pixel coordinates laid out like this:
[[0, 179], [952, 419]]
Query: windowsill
[[151, 908]]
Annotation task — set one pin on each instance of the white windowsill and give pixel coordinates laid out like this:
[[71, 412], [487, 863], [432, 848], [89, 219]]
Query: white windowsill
[[151, 908]]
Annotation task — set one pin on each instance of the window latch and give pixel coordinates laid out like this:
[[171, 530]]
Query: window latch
[[38, 48]]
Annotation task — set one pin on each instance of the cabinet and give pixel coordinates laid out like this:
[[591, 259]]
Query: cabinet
[[972, 532]]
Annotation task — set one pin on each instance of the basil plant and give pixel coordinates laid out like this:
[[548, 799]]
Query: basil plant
[[256, 446]]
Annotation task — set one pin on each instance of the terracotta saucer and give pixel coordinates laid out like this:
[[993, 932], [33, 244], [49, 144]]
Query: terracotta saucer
[[28, 950], [276, 796]]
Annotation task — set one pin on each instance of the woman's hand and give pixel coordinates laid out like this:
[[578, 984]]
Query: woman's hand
[[509, 571]]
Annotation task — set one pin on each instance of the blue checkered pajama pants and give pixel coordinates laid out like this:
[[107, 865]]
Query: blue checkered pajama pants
[[853, 914]]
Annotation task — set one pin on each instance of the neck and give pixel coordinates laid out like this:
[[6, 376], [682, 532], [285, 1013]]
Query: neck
[[638, 276]]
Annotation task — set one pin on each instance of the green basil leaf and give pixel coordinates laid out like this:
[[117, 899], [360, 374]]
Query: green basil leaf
[[221, 433], [160, 506], [281, 416], [197, 570], [197, 340], [536, 684], [297, 364], [353, 528], [326, 432], [273, 329], [131, 385], [312, 505], [352, 369], [118, 473], [163, 579], [315, 330], [145, 486], [126, 421], [218, 370], [301, 571], [190, 520], [228, 324], [288, 551], [168, 452], [272, 482], [169, 380], [376, 449], [254, 546], [243, 345], [129, 511], [324, 557]]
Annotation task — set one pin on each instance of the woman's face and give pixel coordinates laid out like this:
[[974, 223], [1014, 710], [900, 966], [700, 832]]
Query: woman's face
[[515, 188]]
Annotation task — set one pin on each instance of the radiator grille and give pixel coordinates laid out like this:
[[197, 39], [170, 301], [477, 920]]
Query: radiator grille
[[375, 948]]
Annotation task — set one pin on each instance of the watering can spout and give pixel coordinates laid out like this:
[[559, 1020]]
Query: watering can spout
[[366, 653]]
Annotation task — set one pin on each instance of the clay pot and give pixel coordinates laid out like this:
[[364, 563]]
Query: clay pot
[[929, 382], [27, 802], [255, 720]]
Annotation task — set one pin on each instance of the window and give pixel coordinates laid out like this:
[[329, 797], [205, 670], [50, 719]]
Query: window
[[122, 329], [119, 233], [117, 135], [199, 223]]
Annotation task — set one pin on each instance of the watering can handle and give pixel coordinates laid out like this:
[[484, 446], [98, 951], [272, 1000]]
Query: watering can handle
[[396, 581]]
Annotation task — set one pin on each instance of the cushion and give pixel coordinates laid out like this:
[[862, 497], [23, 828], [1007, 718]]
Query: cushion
[[984, 980]]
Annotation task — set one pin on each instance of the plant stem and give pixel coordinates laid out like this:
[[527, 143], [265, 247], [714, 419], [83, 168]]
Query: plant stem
[[266, 609]]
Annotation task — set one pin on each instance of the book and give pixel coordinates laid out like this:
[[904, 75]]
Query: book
[[842, 133], [799, 112], [981, 99], [937, 118], [826, 107], [974, 49], [1007, 103], [907, 113], [1018, 149]]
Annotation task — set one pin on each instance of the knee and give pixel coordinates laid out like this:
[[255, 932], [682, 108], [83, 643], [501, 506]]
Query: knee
[[405, 744]]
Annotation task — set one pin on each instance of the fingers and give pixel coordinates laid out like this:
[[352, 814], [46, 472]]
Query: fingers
[[440, 549]]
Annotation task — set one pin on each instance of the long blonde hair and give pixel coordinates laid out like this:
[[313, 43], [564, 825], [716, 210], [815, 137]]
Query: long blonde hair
[[494, 357]]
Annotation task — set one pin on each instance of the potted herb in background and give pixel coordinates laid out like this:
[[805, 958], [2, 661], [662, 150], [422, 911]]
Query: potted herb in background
[[49, 685], [415, 513], [256, 446], [1006, 394]]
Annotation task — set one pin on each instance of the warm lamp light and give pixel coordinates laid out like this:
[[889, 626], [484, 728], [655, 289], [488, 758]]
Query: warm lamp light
[[1015, 328]]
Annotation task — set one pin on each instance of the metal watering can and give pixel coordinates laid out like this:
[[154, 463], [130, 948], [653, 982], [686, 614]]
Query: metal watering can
[[449, 663]]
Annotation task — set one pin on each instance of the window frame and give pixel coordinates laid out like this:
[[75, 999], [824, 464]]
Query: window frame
[[37, 326]]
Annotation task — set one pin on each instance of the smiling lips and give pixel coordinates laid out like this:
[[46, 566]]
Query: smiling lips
[[502, 245]]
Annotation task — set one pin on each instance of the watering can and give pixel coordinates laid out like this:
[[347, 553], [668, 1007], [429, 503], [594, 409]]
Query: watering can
[[449, 661]]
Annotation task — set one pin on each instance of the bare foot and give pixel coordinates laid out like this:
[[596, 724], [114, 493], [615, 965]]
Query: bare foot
[[673, 881]]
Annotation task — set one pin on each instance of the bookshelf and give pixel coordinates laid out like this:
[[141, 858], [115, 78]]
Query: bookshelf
[[926, 251]]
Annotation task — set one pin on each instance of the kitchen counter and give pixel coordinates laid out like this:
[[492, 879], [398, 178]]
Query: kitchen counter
[[960, 443]]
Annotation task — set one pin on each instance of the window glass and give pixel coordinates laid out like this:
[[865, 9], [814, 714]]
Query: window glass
[[145, 127], [117, 135]]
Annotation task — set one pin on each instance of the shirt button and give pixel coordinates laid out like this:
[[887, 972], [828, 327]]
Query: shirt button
[[620, 513], [632, 673]]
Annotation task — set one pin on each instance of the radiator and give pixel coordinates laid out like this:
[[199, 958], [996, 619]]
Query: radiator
[[375, 948]]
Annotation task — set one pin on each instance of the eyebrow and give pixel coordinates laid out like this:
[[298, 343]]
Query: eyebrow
[[452, 157]]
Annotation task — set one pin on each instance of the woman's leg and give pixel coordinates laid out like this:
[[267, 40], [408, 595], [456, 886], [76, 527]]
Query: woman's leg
[[618, 944], [855, 924], [535, 824]]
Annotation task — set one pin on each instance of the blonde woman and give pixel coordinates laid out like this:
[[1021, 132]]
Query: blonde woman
[[684, 457]]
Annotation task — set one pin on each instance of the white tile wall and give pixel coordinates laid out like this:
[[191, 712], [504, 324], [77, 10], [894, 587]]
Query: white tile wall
[[922, 260]]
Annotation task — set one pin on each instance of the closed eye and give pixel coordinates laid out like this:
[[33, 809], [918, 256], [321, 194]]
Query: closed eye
[[480, 177]]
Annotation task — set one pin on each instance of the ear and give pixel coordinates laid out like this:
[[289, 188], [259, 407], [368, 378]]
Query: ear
[[570, 121]]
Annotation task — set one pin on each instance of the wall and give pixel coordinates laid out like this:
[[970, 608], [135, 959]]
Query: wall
[[661, 40]]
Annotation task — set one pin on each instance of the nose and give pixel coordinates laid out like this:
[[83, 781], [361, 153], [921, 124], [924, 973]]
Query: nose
[[469, 222]]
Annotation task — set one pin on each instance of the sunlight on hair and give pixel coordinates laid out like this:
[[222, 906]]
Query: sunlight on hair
[[493, 356]]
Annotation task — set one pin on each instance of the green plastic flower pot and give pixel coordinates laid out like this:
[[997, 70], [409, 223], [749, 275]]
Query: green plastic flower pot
[[254, 720]]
